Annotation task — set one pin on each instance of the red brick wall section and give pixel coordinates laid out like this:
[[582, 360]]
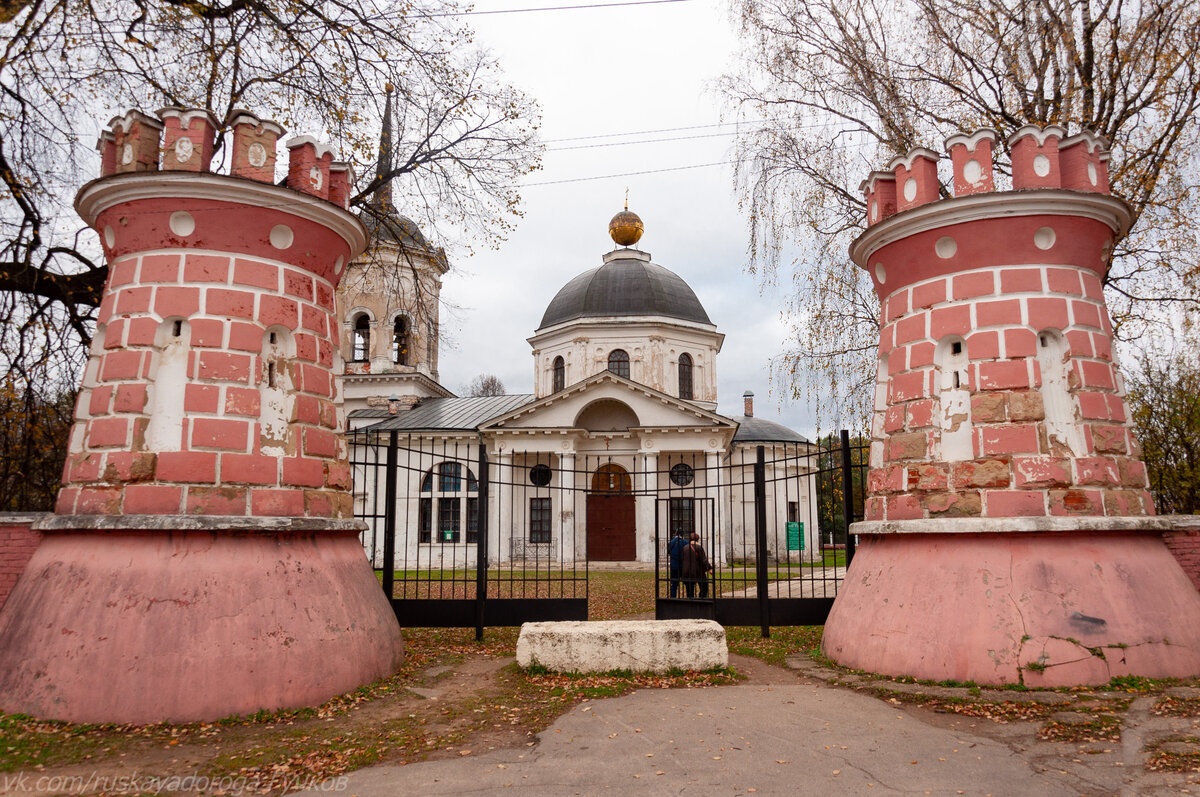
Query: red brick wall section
[[1184, 543], [18, 541]]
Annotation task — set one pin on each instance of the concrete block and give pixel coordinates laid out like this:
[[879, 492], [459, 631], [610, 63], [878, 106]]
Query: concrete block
[[636, 645]]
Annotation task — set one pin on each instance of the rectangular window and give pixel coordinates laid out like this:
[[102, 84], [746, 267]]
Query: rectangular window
[[793, 512], [472, 520], [449, 519], [539, 520], [682, 516], [425, 520]]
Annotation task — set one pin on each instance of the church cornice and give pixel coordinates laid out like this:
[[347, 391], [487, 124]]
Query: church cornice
[[400, 377], [606, 324]]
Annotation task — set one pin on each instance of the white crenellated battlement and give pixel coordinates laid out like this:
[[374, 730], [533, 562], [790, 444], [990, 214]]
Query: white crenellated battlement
[[1041, 157], [183, 139]]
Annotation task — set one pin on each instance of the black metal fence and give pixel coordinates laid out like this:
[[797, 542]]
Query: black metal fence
[[780, 544], [460, 538]]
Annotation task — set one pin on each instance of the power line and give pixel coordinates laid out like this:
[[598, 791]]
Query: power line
[[638, 132], [628, 174], [641, 141], [761, 125], [551, 8]]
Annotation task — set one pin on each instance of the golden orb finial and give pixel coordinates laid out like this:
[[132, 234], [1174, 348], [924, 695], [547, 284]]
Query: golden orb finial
[[626, 227]]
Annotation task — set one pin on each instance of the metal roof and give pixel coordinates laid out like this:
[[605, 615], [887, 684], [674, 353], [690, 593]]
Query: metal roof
[[449, 414], [759, 430], [625, 286]]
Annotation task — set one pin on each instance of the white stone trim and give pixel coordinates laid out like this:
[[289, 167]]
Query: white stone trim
[[1110, 210], [186, 115], [321, 149], [972, 141], [215, 523], [126, 121], [1009, 525], [240, 116], [875, 177], [626, 254], [1091, 139], [906, 160], [1039, 134], [605, 323]]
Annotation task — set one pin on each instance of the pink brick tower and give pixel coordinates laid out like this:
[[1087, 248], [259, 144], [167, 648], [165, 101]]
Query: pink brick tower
[[1009, 534], [202, 560]]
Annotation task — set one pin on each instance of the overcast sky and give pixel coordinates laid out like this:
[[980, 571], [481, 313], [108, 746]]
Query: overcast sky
[[603, 73]]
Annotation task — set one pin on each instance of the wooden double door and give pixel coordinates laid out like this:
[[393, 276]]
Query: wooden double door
[[611, 516]]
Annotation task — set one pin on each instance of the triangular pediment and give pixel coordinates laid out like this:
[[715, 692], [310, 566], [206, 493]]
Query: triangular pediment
[[608, 399]]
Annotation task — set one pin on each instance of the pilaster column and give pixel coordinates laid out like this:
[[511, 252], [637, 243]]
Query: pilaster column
[[713, 489], [500, 522], [647, 489], [564, 502]]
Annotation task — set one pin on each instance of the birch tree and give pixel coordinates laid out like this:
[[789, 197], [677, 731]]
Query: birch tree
[[844, 85]]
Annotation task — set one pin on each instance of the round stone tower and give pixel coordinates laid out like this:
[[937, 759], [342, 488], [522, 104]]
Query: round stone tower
[[1009, 534], [202, 561]]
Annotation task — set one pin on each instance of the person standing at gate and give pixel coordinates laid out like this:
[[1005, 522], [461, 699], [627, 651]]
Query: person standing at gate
[[694, 567], [674, 555]]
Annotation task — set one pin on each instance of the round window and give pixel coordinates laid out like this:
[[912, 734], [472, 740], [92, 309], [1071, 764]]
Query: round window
[[539, 475], [682, 474]]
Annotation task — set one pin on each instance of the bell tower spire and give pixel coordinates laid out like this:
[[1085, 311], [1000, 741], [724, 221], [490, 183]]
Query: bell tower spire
[[383, 167]]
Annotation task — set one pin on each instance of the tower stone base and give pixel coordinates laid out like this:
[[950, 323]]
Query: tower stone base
[[1051, 607], [143, 619]]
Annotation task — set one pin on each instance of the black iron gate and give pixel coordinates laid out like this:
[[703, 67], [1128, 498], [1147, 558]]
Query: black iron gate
[[435, 510], [459, 539], [782, 542]]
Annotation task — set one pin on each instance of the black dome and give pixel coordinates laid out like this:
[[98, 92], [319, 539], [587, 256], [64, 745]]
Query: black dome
[[626, 285]]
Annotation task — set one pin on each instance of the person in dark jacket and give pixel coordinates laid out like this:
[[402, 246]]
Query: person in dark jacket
[[694, 567], [674, 554]]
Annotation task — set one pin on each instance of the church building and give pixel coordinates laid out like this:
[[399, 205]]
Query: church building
[[619, 443]]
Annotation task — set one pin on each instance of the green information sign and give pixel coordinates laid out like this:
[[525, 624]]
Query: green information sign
[[795, 532]]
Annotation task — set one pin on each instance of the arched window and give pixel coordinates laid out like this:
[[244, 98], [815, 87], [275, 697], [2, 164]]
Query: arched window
[[618, 362], [560, 374], [444, 487], [360, 342], [612, 478], [685, 376], [400, 341]]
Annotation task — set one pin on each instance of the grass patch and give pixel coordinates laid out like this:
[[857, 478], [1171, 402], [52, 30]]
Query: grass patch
[[1168, 706], [615, 595], [783, 642], [1139, 685], [571, 688], [984, 709], [28, 742], [1098, 728], [1174, 759]]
